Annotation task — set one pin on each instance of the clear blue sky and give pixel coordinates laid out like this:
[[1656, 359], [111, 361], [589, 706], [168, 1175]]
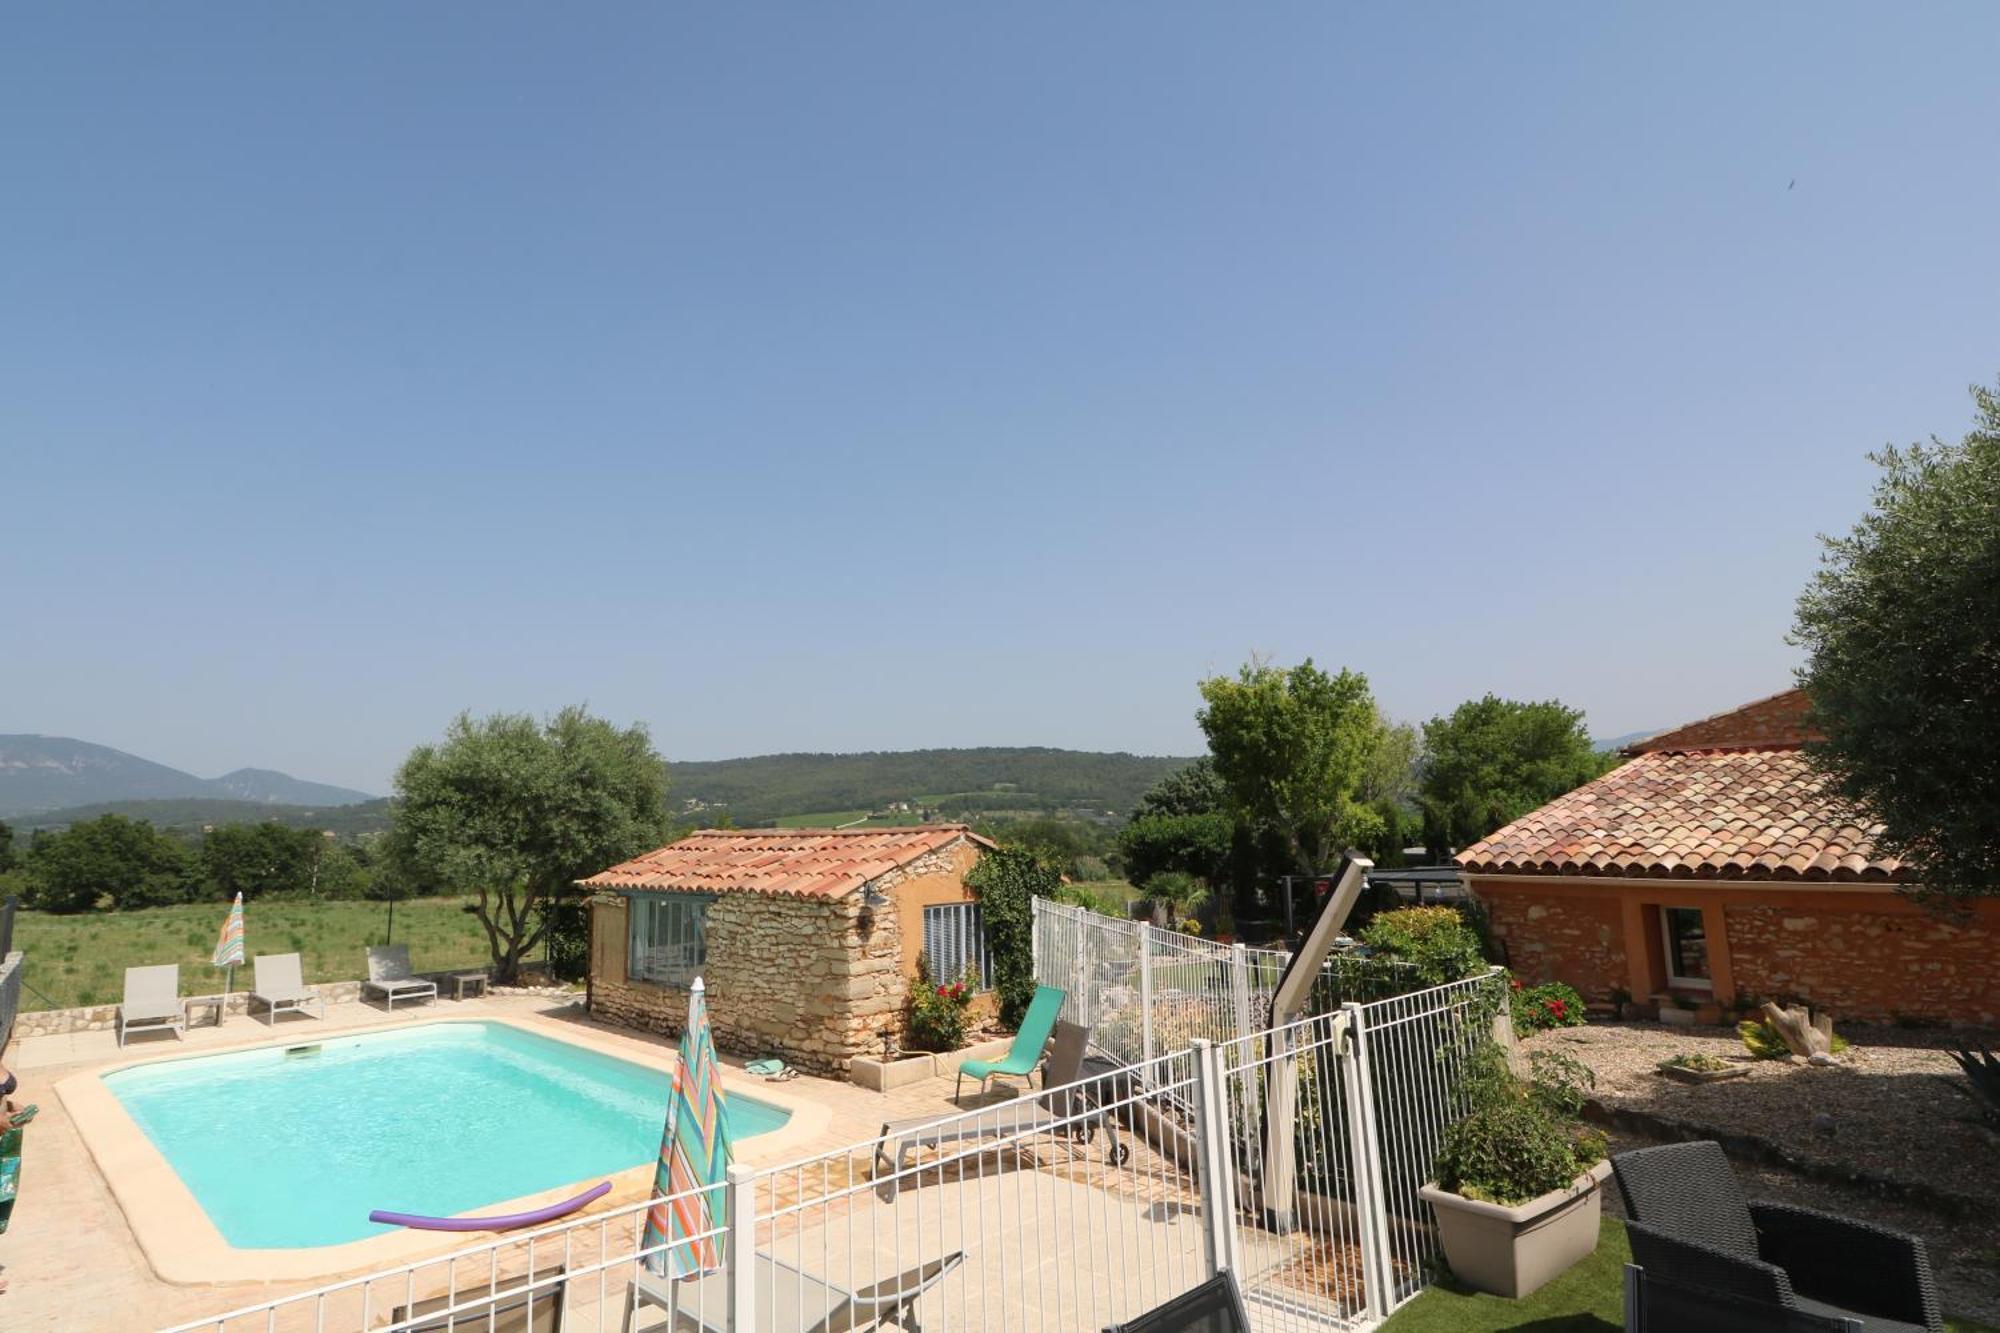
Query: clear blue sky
[[845, 377]]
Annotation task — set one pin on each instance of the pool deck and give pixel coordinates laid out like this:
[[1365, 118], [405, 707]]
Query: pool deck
[[74, 1260]]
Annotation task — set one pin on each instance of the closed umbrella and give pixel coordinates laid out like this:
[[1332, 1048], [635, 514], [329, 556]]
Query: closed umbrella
[[229, 951], [694, 1156]]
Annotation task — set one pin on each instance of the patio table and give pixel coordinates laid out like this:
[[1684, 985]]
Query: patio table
[[461, 980]]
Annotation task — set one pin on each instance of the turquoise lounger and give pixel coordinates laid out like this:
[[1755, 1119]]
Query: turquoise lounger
[[1026, 1052]]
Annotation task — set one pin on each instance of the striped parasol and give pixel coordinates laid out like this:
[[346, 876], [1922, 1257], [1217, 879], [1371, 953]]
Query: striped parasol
[[694, 1152], [229, 945]]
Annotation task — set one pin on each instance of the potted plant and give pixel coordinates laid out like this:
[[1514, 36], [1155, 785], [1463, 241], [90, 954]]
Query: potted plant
[[1516, 1195]]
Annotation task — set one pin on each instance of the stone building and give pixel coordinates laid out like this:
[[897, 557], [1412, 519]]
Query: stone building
[[1716, 867], [806, 940]]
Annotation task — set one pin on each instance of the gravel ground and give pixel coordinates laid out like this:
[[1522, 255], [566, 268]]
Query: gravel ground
[[1897, 1127]]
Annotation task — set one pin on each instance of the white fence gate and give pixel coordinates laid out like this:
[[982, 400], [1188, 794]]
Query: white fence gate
[[1289, 1157], [1142, 990]]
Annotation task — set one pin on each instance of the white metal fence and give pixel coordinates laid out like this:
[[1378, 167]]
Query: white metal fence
[[1290, 1157], [1142, 990]]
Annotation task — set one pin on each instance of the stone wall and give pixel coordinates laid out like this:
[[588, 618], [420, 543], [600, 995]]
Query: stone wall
[[814, 980], [1866, 954], [1545, 937], [104, 1017], [1875, 962]]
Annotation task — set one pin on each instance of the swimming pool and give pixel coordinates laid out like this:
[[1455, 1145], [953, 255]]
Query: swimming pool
[[292, 1146]]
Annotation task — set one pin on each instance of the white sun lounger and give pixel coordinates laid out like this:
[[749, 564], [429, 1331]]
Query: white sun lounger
[[389, 976], [788, 1299], [152, 1001], [281, 989]]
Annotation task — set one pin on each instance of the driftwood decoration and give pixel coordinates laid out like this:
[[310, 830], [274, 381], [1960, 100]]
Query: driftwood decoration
[[1804, 1032]]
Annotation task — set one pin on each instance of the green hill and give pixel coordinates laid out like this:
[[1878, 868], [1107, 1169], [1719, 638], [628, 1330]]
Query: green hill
[[192, 814], [769, 788]]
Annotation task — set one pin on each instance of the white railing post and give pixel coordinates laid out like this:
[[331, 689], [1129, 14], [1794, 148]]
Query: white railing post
[[1212, 1159], [740, 1245], [1370, 1194], [1146, 997]]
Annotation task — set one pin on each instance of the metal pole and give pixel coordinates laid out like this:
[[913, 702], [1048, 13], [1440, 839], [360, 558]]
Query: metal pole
[[1370, 1190], [1146, 998], [741, 1248], [1211, 1157], [390, 938]]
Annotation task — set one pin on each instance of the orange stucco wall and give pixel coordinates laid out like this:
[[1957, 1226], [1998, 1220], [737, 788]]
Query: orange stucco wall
[[1862, 953]]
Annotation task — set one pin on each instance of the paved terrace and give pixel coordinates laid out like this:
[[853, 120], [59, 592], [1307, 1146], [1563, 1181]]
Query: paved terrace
[[73, 1262]]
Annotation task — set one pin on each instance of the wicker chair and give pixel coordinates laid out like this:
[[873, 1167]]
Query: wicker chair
[[1691, 1228]]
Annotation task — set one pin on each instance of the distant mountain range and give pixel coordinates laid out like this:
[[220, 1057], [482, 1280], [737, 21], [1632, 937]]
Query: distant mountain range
[[43, 773], [1620, 742]]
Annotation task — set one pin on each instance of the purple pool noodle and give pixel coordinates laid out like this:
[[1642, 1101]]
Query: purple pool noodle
[[507, 1222]]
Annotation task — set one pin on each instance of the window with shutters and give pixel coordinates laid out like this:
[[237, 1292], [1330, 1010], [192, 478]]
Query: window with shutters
[[669, 942], [955, 943]]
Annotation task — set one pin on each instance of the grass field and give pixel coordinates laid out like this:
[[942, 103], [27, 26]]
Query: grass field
[[78, 960]]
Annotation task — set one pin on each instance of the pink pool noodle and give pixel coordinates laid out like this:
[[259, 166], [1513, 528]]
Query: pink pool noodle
[[507, 1222]]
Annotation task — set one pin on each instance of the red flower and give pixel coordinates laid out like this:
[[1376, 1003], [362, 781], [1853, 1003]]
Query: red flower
[[1515, 982], [1559, 1008], [944, 992]]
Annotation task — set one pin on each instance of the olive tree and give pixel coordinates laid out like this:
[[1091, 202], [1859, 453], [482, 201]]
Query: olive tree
[[515, 811], [1901, 627]]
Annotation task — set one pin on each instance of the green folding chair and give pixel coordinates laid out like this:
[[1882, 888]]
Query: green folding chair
[[1026, 1052]]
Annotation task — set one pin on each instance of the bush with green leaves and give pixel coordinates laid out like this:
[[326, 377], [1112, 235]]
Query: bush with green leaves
[[938, 1019], [1435, 941], [1549, 1005], [1520, 1138]]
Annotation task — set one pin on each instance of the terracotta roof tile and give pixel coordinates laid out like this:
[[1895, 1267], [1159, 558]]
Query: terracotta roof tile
[[802, 862], [1705, 814], [1781, 722]]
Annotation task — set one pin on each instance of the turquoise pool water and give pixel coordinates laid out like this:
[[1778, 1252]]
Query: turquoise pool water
[[293, 1146]]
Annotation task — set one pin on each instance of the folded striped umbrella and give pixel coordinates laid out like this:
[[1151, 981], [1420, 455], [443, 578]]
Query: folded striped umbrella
[[229, 945], [694, 1158]]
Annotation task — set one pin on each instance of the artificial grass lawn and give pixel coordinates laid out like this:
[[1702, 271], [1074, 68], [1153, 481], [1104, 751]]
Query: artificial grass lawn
[[81, 959], [1589, 1298]]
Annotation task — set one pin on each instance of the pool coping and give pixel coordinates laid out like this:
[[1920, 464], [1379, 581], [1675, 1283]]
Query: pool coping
[[182, 1245]]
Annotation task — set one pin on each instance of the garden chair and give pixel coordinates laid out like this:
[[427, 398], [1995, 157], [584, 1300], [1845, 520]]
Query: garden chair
[[152, 1001], [1026, 1052], [789, 1299], [1216, 1306], [536, 1310], [1690, 1227], [280, 987], [1068, 1107], [1655, 1305], [389, 976]]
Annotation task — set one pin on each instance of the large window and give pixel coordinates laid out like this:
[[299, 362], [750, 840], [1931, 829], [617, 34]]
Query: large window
[[668, 937], [955, 943]]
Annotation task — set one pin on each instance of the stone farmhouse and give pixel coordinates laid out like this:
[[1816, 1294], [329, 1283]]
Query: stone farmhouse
[[807, 940], [1715, 867]]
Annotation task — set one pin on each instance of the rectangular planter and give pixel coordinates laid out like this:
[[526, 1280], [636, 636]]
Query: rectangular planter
[[1680, 1074], [1513, 1251]]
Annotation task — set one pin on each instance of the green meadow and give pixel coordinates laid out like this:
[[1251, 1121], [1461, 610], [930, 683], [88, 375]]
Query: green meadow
[[81, 959]]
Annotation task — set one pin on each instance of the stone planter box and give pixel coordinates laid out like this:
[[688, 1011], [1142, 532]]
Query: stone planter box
[[1513, 1251], [915, 1066], [1682, 1074]]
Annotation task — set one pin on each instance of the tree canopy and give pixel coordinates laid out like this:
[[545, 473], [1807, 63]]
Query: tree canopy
[[516, 811], [1493, 760], [1901, 627], [1292, 749], [257, 860], [127, 861]]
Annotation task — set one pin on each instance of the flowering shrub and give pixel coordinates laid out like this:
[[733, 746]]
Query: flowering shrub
[[1549, 1005], [937, 1011]]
